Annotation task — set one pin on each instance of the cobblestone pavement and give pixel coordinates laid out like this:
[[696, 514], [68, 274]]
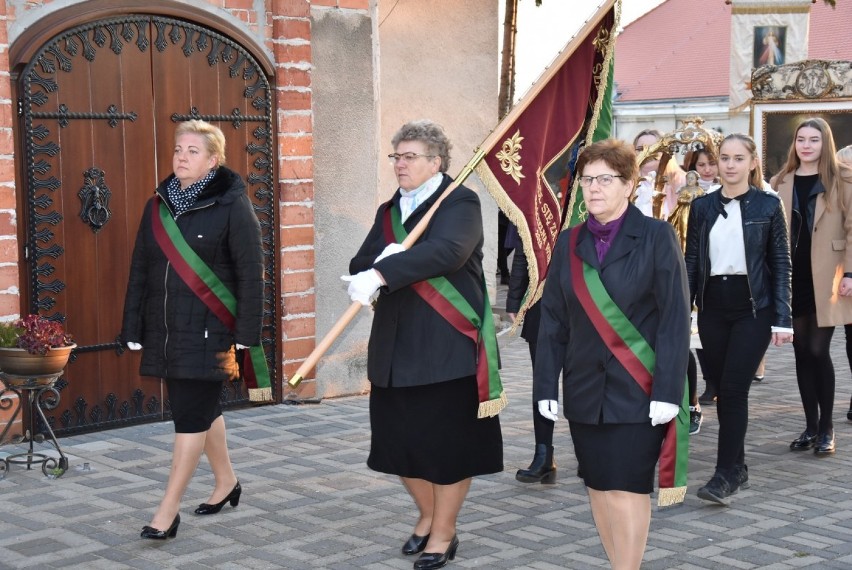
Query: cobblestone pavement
[[309, 500]]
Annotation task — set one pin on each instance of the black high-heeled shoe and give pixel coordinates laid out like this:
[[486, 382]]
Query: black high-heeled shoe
[[156, 534], [414, 544], [431, 560], [233, 497]]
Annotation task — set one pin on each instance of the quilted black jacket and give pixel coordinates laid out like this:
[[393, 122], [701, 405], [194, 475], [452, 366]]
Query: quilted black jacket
[[181, 337]]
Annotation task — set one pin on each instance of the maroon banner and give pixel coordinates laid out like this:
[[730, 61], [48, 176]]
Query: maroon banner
[[529, 159]]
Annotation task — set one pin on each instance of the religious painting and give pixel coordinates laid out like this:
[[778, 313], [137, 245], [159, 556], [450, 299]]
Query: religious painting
[[769, 45], [774, 124]]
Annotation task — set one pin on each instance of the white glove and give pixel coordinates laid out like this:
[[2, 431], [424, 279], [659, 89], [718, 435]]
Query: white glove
[[364, 286], [662, 412], [391, 249], [549, 409], [134, 346], [241, 346]]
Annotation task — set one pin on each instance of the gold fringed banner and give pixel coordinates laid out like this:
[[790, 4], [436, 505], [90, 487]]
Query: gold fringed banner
[[671, 496], [491, 408], [260, 394]]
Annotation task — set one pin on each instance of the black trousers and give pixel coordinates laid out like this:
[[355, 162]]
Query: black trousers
[[542, 426], [814, 372], [734, 340]]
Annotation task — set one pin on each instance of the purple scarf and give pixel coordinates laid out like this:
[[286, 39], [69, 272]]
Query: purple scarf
[[604, 233]]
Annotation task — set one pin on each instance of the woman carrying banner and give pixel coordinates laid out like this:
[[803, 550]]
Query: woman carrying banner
[[819, 201], [738, 262], [615, 323], [432, 357], [198, 235]]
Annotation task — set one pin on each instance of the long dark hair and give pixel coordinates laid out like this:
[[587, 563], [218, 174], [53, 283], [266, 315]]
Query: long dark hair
[[828, 170]]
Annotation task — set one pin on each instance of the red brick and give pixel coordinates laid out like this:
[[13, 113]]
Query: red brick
[[295, 123], [7, 226], [296, 191], [296, 169], [292, 53], [355, 4], [297, 236], [9, 277], [296, 216], [290, 29], [7, 170], [299, 304], [292, 8], [291, 100], [297, 259], [7, 143], [324, 3], [8, 201], [239, 4], [296, 146], [290, 77], [299, 328], [10, 304], [242, 15], [298, 349], [297, 282], [8, 252]]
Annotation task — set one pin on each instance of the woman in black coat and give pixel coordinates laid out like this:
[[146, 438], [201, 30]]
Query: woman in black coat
[[633, 268], [426, 400], [185, 342]]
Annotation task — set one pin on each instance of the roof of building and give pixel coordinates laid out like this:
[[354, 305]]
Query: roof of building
[[677, 51]]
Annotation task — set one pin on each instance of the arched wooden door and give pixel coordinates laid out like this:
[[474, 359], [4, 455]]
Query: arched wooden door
[[98, 106]]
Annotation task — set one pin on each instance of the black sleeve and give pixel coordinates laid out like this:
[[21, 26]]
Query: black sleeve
[[519, 280]]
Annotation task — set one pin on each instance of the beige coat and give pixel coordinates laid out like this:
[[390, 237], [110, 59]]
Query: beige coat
[[831, 251]]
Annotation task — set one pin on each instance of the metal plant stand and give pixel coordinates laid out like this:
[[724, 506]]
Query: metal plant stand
[[41, 394]]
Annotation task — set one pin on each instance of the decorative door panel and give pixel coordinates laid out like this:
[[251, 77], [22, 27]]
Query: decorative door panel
[[98, 111]]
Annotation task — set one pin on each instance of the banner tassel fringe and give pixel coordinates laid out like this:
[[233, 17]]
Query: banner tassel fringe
[[671, 496], [260, 394]]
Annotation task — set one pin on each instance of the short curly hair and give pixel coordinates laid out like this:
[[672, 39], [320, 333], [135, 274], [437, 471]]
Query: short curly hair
[[430, 133], [214, 138], [617, 154]]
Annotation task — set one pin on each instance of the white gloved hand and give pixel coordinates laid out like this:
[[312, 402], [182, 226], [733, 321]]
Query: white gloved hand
[[241, 346], [391, 249], [134, 346], [364, 286], [662, 412], [549, 409]]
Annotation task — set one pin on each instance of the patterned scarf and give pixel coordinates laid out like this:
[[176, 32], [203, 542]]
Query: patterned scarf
[[182, 200]]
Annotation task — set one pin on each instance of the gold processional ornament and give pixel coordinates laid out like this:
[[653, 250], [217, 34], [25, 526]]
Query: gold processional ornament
[[510, 157], [690, 137]]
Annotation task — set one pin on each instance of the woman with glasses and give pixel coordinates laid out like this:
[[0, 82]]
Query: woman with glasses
[[616, 280], [819, 201], [432, 357], [738, 262]]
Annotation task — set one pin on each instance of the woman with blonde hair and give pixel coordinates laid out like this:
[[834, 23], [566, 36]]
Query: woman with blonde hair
[[819, 202]]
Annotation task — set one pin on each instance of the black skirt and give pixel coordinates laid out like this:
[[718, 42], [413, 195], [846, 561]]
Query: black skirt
[[431, 432], [194, 403], [618, 457]]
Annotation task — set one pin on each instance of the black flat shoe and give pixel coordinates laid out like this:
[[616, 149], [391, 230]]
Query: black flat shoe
[[233, 497], [803, 442], [849, 415], [430, 560], [156, 534], [414, 544], [718, 489], [824, 444]]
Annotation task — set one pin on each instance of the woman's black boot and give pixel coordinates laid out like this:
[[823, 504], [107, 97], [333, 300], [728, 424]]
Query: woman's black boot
[[542, 469]]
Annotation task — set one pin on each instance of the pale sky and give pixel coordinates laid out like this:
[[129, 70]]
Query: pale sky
[[544, 30]]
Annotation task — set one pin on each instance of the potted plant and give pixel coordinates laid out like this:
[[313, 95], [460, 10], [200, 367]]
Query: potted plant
[[34, 346]]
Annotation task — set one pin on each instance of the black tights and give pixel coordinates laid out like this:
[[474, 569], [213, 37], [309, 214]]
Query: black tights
[[692, 378], [815, 372]]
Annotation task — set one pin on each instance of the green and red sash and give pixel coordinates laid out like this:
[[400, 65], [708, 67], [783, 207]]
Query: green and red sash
[[448, 302], [638, 358], [209, 288]]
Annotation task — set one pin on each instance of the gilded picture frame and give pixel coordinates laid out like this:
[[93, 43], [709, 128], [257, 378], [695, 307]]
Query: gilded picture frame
[[773, 125]]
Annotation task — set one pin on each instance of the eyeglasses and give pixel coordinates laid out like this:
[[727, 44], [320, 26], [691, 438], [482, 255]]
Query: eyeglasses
[[407, 157], [603, 180]]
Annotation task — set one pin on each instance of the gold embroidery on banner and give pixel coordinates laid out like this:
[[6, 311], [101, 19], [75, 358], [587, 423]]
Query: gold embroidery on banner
[[601, 42], [510, 156]]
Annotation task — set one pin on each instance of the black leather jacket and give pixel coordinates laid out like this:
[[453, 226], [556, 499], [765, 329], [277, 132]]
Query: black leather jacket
[[767, 250]]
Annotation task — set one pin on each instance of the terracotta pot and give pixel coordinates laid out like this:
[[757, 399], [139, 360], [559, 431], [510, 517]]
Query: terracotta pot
[[19, 362]]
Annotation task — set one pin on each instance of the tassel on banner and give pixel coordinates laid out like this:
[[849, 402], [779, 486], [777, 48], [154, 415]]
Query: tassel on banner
[[491, 408], [671, 496]]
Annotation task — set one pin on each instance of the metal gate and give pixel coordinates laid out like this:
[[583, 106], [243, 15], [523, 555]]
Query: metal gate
[[98, 108]]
